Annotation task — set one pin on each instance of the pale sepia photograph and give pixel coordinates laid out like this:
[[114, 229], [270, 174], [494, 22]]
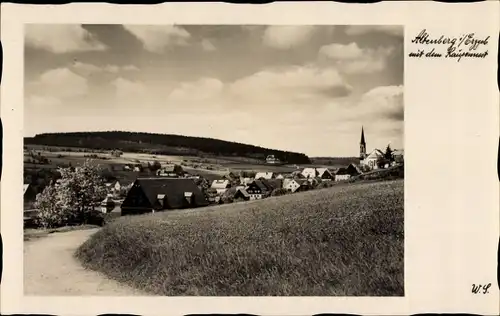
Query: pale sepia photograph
[[213, 160]]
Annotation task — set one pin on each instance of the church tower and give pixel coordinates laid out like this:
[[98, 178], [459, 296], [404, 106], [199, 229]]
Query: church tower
[[362, 145]]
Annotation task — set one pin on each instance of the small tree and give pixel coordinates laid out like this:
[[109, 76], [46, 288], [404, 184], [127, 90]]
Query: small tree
[[50, 214], [388, 153], [81, 190]]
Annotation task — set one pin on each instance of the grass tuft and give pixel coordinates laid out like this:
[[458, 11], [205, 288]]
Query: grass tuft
[[341, 241]]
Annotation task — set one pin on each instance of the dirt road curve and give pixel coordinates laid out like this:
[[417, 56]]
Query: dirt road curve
[[50, 269]]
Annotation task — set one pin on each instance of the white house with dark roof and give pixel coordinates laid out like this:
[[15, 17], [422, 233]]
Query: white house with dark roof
[[264, 175], [221, 186], [309, 173]]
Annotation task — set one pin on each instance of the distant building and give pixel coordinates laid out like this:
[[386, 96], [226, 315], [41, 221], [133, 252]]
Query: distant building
[[245, 181], [29, 195], [342, 174], [221, 186], [353, 170], [264, 175], [398, 155], [108, 204], [172, 171], [372, 159], [310, 173], [242, 195], [280, 176], [295, 185], [271, 159], [325, 174], [158, 194]]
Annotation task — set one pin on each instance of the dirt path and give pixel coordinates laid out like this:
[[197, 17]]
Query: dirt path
[[51, 269]]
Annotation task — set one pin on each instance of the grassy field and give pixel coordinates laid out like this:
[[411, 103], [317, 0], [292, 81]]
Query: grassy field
[[341, 241], [209, 167]]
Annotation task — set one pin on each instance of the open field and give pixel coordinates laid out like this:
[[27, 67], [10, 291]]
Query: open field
[[211, 166], [341, 241]]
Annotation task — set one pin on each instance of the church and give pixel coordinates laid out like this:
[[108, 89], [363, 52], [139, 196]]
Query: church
[[368, 160]]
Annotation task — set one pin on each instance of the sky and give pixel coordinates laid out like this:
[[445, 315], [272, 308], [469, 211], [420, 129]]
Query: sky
[[304, 88]]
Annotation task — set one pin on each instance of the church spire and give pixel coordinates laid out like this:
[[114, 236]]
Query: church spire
[[362, 145], [362, 136]]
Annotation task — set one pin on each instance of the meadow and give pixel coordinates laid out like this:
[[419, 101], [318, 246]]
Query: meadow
[[347, 240]]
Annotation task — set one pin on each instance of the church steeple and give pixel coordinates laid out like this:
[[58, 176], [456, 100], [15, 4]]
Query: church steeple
[[362, 145]]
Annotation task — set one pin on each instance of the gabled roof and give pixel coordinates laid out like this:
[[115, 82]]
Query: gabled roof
[[261, 185], [243, 192], [342, 171], [264, 175], [220, 184], [310, 171], [172, 188], [375, 153], [273, 184]]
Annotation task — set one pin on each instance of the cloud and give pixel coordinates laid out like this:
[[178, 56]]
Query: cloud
[[130, 68], [61, 38], [286, 37], [299, 84], [155, 38], [204, 89], [42, 101], [384, 103], [125, 88], [207, 46], [61, 83], [86, 70], [351, 59], [394, 30]]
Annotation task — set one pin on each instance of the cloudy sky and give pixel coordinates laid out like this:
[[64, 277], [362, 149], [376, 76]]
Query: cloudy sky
[[307, 89]]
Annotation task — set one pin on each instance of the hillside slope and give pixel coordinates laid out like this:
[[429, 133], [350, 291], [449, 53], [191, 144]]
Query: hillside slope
[[340, 241], [161, 144]]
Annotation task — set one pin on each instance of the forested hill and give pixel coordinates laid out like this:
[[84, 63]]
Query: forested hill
[[161, 144]]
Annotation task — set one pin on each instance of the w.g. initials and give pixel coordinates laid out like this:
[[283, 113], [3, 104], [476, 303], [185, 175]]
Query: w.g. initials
[[480, 288]]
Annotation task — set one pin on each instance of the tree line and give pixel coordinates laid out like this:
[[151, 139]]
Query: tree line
[[162, 144]]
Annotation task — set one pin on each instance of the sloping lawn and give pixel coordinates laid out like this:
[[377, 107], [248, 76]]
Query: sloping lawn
[[341, 241]]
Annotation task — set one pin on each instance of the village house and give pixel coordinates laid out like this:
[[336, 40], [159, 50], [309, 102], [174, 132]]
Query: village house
[[271, 159], [272, 184], [113, 187], [172, 171], [295, 185], [29, 196], [372, 159], [353, 170], [158, 194], [309, 173], [264, 175], [245, 181], [342, 174], [325, 174], [297, 175], [108, 204], [280, 176], [221, 186], [257, 190], [398, 156], [241, 195]]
